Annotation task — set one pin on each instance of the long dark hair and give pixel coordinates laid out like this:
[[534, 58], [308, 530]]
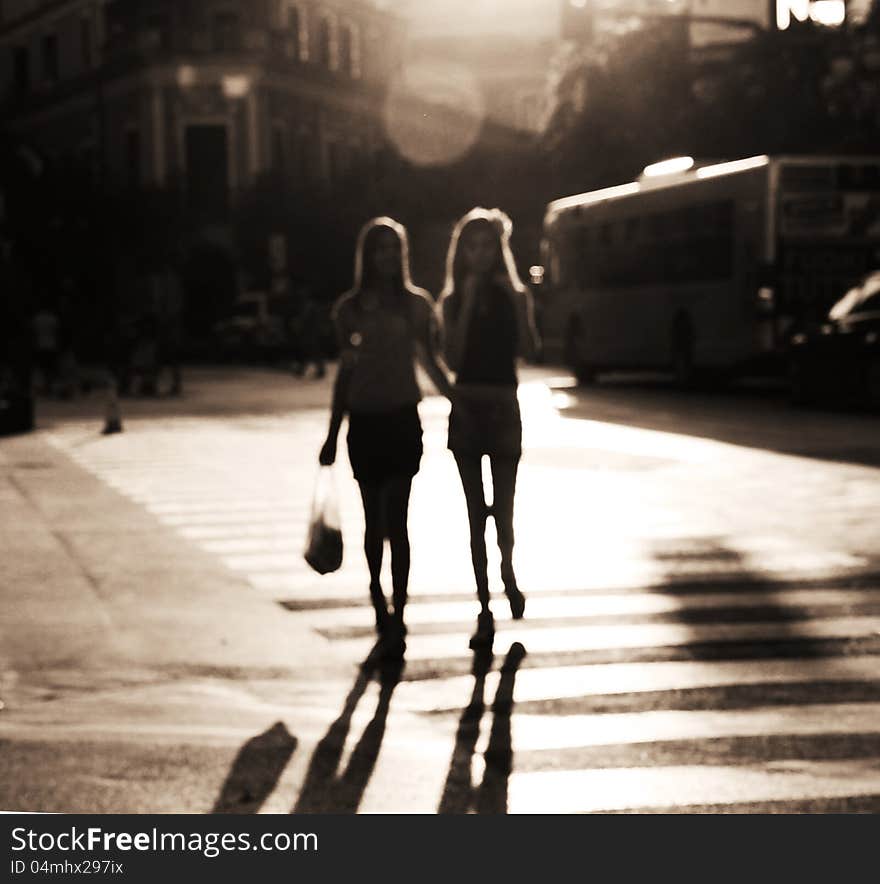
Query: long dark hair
[[365, 250], [502, 227]]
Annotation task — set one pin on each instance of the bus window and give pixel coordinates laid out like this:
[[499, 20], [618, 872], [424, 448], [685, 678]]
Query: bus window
[[657, 226], [695, 220], [798, 178], [858, 177], [583, 257]]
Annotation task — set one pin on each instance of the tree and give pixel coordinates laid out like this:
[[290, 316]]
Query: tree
[[644, 98]]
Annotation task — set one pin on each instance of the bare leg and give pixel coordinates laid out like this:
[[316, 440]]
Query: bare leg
[[504, 489], [470, 470], [373, 498], [396, 511]]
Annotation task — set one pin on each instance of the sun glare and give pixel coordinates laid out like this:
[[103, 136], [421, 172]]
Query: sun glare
[[434, 113]]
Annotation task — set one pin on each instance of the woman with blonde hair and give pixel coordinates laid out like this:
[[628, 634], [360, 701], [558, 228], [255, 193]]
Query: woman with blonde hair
[[383, 324], [488, 318]]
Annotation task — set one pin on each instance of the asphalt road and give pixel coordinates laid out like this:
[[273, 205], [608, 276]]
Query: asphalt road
[[702, 631]]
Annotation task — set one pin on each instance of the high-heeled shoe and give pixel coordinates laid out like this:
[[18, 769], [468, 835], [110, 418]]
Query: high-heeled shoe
[[516, 599], [485, 634]]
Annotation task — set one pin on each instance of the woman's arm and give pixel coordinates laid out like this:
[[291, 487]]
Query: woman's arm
[[457, 323], [338, 408], [426, 347], [339, 404], [528, 342]]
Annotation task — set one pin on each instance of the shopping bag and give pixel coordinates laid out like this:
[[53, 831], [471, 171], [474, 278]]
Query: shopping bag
[[323, 549]]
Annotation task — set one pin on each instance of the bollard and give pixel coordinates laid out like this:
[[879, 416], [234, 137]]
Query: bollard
[[112, 418]]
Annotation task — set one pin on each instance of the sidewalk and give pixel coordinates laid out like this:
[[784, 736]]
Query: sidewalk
[[134, 666], [96, 590]]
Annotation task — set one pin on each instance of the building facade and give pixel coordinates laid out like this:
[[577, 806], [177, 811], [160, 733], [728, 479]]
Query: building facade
[[206, 95]]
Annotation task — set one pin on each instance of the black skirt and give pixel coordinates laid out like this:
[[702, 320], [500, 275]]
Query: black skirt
[[492, 424], [385, 445]]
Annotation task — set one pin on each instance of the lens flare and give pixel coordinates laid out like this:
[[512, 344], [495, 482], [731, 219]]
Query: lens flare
[[434, 113]]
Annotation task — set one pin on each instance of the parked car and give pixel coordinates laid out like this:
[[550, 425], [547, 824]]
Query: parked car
[[839, 362], [251, 330]]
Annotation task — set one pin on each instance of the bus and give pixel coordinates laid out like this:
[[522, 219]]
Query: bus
[[705, 269]]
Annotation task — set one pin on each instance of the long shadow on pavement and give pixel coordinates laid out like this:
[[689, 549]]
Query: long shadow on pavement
[[490, 797], [256, 771], [324, 790]]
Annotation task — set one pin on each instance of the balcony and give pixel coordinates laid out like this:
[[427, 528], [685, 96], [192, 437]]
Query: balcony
[[272, 48]]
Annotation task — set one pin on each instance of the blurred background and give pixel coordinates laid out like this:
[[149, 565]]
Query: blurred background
[[197, 169], [695, 191]]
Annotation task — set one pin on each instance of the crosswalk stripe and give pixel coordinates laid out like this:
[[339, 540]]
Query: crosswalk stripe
[[546, 732], [584, 791], [224, 507], [233, 523], [560, 640], [732, 751], [843, 804], [298, 596], [632, 679], [218, 532], [607, 606]]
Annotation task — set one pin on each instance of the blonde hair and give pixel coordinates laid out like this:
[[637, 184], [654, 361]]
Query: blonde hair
[[497, 221]]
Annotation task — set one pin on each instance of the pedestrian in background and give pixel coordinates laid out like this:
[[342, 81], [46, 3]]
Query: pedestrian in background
[[383, 324], [488, 319], [68, 340], [47, 331], [167, 304], [305, 330], [145, 354]]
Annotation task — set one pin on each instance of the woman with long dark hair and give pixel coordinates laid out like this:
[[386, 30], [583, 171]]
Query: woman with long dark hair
[[488, 317], [384, 324]]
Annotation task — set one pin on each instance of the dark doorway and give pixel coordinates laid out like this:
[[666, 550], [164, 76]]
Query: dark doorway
[[207, 163]]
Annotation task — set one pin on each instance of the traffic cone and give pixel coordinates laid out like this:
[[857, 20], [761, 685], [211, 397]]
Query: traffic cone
[[112, 418]]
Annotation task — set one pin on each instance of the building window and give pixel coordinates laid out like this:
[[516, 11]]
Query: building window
[[303, 48], [294, 25], [350, 50], [207, 170], [21, 64], [346, 51], [86, 42], [112, 23], [133, 158], [50, 58], [337, 161], [303, 158], [159, 28], [356, 52], [227, 31], [292, 19], [279, 151], [325, 43]]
